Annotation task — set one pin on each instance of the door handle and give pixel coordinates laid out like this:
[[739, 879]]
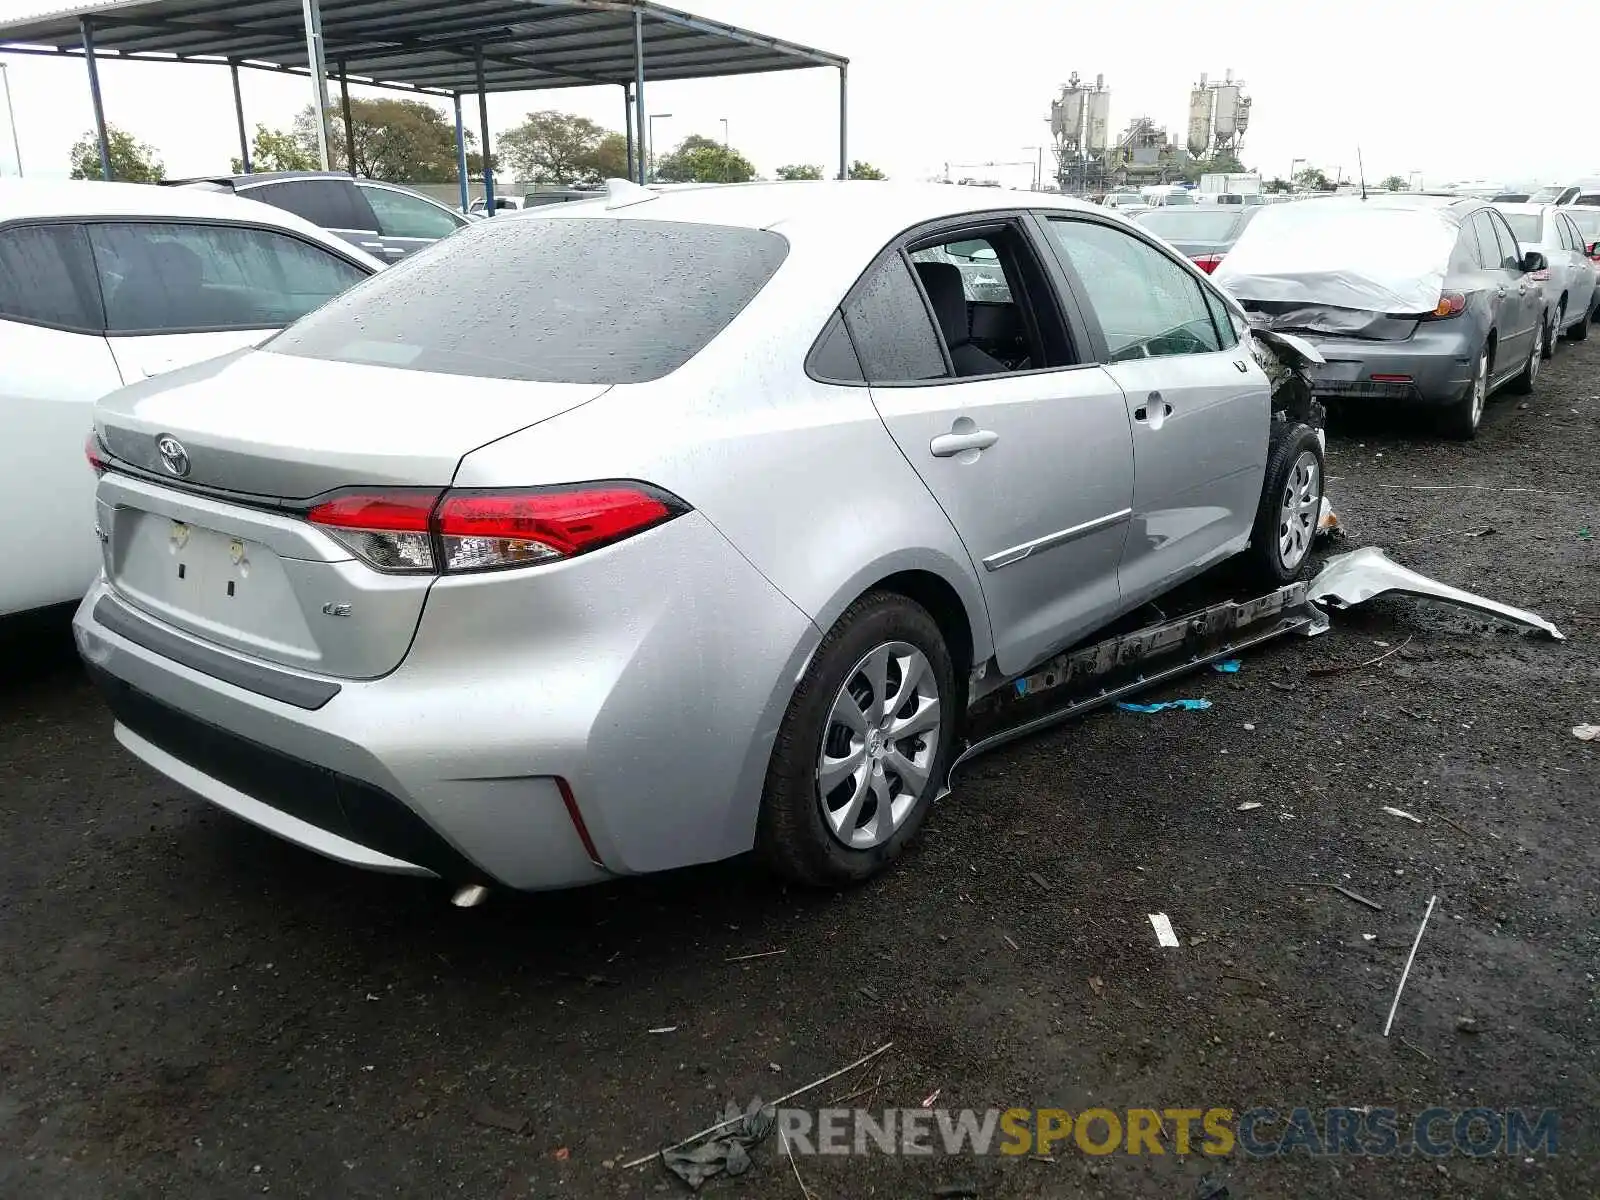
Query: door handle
[[1500, 292], [1522, 289], [948, 445], [1144, 415]]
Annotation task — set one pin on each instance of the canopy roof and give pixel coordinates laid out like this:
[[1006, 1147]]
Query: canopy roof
[[424, 45]]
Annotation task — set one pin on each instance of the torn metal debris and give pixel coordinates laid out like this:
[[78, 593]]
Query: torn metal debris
[[1361, 574]]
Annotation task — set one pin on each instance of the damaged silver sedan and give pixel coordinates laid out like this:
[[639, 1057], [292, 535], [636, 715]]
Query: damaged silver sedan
[[1411, 300]]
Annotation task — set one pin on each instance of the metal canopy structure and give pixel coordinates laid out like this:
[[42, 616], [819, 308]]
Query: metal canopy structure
[[444, 48]]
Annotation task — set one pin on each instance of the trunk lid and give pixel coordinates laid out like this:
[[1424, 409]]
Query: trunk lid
[[245, 571], [283, 427]]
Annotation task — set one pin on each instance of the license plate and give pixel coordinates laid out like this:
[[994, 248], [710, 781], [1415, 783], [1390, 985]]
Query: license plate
[[1339, 372]]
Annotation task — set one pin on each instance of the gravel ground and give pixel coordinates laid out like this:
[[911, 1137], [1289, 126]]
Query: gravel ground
[[192, 1008]]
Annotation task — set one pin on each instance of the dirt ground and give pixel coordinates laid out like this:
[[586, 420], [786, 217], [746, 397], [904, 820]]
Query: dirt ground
[[193, 1008]]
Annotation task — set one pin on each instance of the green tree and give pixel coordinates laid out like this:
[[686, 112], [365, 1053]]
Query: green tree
[[1277, 185], [132, 161], [865, 170], [278, 150], [402, 141], [609, 160], [1313, 180], [1394, 184], [553, 147], [800, 171], [699, 159]]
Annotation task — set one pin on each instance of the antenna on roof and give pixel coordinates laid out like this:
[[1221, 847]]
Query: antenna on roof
[[1361, 171]]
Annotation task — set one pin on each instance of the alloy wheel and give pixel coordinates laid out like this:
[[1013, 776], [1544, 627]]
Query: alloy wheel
[[1480, 388], [1300, 510], [878, 745]]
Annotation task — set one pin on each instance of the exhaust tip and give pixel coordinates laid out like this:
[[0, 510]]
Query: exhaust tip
[[470, 896]]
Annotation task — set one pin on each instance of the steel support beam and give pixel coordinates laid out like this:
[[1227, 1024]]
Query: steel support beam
[[461, 157], [312, 11], [638, 88], [238, 112], [349, 121], [483, 132], [627, 120], [87, 31], [844, 121]]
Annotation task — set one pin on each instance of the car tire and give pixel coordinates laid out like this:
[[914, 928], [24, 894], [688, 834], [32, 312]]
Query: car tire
[[1552, 335], [827, 835], [1290, 508], [1522, 385], [1462, 418]]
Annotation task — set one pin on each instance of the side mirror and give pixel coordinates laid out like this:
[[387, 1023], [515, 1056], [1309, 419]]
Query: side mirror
[[1594, 249], [1533, 261]]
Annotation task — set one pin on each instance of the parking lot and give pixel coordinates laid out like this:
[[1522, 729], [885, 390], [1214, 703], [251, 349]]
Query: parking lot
[[195, 1008]]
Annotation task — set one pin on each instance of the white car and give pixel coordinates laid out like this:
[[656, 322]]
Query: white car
[[1569, 279], [105, 284]]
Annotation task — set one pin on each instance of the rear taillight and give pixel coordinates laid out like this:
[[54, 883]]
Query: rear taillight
[[1542, 275], [1451, 304], [92, 451], [1206, 262], [485, 530]]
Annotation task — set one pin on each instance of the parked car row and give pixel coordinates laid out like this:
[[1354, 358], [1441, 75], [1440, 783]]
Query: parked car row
[[705, 538], [1434, 301]]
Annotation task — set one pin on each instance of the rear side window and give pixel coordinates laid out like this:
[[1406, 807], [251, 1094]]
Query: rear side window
[[559, 301], [47, 278], [173, 278], [891, 328], [326, 203], [406, 216]]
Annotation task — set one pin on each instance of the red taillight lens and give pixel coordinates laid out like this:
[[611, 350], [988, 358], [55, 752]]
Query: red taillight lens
[[473, 530], [1451, 304], [91, 451], [485, 530], [387, 530], [1206, 262], [1542, 276]]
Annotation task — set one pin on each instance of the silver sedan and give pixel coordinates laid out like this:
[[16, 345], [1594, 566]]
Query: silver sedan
[[701, 537]]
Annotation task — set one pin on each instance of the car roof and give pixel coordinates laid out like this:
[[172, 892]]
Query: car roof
[[23, 198], [871, 207]]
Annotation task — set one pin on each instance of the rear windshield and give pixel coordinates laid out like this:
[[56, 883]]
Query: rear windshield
[[553, 300], [1588, 223], [1177, 198], [1194, 224], [1529, 227]]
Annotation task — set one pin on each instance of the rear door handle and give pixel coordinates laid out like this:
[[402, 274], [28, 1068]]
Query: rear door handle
[[1162, 410], [948, 445], [1500, 292]]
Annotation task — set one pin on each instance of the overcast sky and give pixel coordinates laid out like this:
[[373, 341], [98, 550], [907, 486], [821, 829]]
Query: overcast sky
[[1455, 90]]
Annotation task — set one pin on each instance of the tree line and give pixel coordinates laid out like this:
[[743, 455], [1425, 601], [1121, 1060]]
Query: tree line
[[410, 141]]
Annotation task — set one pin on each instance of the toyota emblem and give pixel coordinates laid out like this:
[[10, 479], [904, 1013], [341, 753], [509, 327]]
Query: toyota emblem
[[173, 456]]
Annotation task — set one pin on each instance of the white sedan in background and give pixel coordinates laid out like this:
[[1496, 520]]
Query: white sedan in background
[[1569, 279], [105, 284]]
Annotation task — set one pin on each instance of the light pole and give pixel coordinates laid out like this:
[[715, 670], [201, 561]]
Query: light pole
[[11, 115], [725, 154], [1038, 166], [651, 123]]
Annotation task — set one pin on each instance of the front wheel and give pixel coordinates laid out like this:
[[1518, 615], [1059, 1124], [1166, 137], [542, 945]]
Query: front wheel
[[1522, 385], [863, 748], [1552, 334], [1291, 506]]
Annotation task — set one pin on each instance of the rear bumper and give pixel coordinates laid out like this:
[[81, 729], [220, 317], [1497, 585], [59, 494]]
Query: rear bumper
[[1439, 365], [650, 678]]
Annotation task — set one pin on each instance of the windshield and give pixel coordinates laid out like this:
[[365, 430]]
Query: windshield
[[1529, 227], [1547, 195], [1195, 224], [1177, 198], [1588, 223], [1122, 199], [558, 301]]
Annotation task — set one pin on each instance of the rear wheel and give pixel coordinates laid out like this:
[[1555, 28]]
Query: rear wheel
[[863, 748], [1462, 418], [1553, 333], [1291, 506]]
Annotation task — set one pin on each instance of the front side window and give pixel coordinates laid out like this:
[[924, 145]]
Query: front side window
[[890, 327], [574, 301], [160, 277], [400, 215], [1148, 306], [1510, 253], [47, 278]]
